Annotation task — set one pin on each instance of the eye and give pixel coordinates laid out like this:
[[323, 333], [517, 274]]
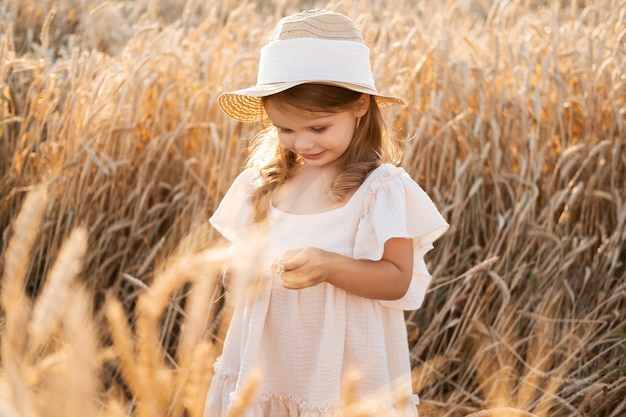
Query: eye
[[319, 129], [284, 131]]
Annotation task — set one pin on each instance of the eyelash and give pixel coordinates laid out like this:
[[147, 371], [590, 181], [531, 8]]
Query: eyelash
[[318, 130]]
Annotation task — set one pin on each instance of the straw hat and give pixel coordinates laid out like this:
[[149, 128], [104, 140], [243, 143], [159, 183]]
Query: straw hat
[[314, 46]]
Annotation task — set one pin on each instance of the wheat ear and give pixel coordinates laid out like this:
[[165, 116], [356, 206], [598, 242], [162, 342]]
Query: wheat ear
[[50, 305], [246, 395], [14, 301]]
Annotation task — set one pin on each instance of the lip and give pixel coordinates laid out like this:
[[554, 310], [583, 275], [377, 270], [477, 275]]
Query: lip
[[312, 156]]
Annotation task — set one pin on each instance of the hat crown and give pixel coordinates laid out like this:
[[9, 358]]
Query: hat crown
[[313, 46], [320, 24]]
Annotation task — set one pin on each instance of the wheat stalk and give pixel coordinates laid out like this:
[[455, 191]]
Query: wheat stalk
[[81, 371], [55, 296], [14, 301], [245, 396], [514, 124]]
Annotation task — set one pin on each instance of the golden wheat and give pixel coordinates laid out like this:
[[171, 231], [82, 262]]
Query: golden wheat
[[57, 291], [114, 151]]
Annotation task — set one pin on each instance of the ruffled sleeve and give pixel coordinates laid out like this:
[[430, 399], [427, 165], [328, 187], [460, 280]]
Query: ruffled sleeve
[[233, 214], [396, 206]]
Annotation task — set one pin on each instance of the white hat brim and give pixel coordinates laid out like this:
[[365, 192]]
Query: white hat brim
[[246, 104]]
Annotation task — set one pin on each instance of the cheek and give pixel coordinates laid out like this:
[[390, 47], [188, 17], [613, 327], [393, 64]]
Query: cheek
[[284, 140], [346, 136]]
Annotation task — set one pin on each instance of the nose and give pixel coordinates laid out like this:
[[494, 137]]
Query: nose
[[303, 143]]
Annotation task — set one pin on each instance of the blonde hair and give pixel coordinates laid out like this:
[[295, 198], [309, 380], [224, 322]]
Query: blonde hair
[[370, 146]]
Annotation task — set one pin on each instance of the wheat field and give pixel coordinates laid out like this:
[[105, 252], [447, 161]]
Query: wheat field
[[114, 153]]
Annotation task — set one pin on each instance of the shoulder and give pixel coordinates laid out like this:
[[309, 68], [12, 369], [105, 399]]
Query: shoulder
[[241, 187], [249, 174], [390, 189], [388, 175], [388, 170], [246, 179]]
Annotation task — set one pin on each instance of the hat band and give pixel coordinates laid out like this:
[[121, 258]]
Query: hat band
[[313, 59]]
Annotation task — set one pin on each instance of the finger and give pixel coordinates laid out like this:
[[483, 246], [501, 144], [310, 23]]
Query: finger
[[292, 259], [293, 281]]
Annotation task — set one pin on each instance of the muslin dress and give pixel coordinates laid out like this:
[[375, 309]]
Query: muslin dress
[[306, 341]]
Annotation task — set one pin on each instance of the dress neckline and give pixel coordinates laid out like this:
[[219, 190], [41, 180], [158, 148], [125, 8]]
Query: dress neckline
[[275, 209], [348, 202]]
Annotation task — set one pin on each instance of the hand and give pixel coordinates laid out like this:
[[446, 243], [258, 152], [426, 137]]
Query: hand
[[305, 268]]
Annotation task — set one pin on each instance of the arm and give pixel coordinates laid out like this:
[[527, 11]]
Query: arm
[[386, 279]]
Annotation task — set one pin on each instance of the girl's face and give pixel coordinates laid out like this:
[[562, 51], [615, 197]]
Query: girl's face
[[320, 138]]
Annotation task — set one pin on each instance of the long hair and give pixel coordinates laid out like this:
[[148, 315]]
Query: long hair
[[371, 145]]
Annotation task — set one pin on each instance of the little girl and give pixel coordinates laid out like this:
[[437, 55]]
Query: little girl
[[344, 232]]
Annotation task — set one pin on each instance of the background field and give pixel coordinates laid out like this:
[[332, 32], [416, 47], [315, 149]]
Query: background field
[[113, 153]]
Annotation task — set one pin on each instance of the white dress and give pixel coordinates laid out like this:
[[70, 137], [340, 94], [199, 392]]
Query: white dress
[[305, 341]]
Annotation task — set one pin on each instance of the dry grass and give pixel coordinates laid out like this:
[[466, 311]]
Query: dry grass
[[113, 153]]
